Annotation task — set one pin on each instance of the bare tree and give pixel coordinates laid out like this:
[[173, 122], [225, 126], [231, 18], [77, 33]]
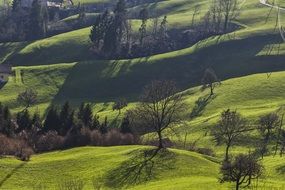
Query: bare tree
[[230, 127], [120, 104], [281, 142], [27, 98], [195, 13], [230, 11], [159, 109], [242, 170], [268, 124], [222, 12], [210, 79]]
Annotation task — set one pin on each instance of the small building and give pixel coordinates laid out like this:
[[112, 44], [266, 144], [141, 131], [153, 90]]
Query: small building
[[5, 72]]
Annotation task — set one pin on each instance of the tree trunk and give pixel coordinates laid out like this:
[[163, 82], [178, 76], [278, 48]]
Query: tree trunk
[[160, 145], [212, 89], [226, 23], [237, 185], [227, 153]]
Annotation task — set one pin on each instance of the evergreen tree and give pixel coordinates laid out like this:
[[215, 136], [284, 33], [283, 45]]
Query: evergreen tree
[[99, 29], [104, 126], [163, 36], [52, 121], [24, 121], [81, 111], [66, 117], [36, 122], [38, 19], [116, 31], [6, 125], [143, 30], [125, 126], [85, 115], [96, 123], [88, 116]]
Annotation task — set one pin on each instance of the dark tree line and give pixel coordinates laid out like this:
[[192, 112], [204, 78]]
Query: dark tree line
[[22, 23], [112, 35]]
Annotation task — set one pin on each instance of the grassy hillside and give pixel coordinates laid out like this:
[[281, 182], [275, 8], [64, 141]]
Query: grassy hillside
[[188, 170], [63, 47]]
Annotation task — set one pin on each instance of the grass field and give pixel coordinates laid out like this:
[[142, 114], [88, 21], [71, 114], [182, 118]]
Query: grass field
[[249, 61], [188, 170]]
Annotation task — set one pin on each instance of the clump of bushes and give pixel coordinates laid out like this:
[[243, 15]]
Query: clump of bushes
[[62, 128], [16, 147]]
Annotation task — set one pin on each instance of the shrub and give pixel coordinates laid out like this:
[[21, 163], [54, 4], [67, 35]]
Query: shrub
[[96, 138], [114, 137], [81, 138], [7, 146], [16, 147], [206, 151], [25, 153], [49, 141]]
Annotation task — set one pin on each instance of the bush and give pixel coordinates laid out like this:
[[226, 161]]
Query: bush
[[49, 141], [25, 154], [15, 147], [81, 138], [206, 151], [96, 138], [7, 146], [114, 137]]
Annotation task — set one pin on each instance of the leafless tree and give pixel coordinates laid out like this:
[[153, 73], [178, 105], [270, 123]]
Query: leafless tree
[[221, 13], [27, 98], [242, 170], [159, 109], [210, 80], [230, 127], [195, 13], [268, 125], [120, 104], [230, 11]]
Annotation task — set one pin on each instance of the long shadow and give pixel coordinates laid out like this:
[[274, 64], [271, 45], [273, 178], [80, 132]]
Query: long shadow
[[2, 84], [105, 81], [9, 175], [200, 105], [143, 166], [281, 170]]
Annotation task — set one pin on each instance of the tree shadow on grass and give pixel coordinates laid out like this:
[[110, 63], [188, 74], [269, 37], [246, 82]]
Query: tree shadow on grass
[[2, 84], [201, 104], [143, 166], [281, 170], [10, 174]]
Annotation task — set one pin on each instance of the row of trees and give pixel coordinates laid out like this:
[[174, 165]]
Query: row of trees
[[231, 129], [63, 121], [19, 23], [112, 34]]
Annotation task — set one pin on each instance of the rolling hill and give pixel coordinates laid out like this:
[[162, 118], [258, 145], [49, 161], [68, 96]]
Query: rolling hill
[[188, 170], [249, 62]]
